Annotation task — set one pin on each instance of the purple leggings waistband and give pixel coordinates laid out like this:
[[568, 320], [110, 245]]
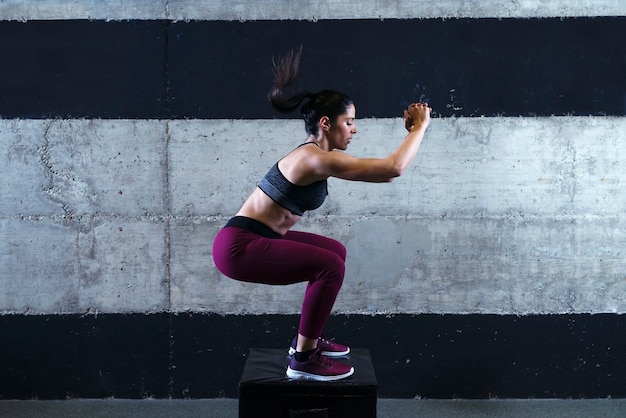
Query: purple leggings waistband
[[252, 225]]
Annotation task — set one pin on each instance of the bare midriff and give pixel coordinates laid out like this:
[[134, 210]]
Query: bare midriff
[[263, 209]]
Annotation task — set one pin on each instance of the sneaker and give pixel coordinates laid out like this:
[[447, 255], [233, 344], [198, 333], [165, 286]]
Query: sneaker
[[318, 367], [329, 348]]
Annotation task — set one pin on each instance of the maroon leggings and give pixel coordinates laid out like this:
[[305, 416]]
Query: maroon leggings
[[295, 257]]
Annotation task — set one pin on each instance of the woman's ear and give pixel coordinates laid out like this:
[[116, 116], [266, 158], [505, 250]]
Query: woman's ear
[[325, 123]]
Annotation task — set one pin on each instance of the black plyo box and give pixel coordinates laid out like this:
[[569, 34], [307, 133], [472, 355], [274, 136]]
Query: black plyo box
[[265, 390]]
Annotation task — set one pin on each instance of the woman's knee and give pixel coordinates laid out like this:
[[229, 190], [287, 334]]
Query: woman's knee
[[336, 269], [339, 249]]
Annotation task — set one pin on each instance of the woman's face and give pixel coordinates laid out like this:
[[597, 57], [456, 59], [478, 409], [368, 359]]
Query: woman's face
[[341, 131]]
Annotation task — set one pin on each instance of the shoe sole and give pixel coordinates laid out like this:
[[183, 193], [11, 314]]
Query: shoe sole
[[292, 351], [296, 374]]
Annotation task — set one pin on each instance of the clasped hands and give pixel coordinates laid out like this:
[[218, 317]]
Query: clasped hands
[[416, 115]]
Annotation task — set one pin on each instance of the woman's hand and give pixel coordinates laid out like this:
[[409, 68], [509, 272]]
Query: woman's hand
[[417, 114]]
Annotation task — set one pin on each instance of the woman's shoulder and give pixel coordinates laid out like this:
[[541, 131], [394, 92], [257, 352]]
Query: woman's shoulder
[[302, 165]]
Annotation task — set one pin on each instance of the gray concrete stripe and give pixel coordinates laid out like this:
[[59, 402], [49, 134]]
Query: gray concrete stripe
[[496, 215], [290, 10]]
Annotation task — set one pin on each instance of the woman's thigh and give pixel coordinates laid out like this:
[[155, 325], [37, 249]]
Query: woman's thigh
[[297, 257], [319, 241]]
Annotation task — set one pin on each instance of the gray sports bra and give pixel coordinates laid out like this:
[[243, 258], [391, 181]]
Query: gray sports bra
[[294, 198]]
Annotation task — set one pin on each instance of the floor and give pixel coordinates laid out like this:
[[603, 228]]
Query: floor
[[386, 408]]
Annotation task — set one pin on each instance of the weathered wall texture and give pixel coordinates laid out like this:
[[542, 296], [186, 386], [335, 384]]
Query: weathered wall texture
[[507, 215], [496, 215], [286, 9], [130, 131]]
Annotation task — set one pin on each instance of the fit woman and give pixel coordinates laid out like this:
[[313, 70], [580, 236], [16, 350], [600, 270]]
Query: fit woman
[[258, 245]]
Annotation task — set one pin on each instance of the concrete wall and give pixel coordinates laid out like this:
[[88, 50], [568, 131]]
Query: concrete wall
[[286, 9], [512, 215], [116, 172], [496, 215], [507, 216]]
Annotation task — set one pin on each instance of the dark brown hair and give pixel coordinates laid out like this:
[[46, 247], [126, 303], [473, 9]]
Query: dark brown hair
[[329, 103]]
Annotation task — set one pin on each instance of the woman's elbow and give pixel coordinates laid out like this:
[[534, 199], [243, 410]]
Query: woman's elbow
[[396, 172], [392, 175], [390, 172]]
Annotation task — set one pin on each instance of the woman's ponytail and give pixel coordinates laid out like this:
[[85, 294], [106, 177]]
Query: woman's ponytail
[[329, 103], [285, 72]]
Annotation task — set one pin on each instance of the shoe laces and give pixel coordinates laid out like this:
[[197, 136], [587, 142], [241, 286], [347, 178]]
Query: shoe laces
[[326, 340], [323, 360]]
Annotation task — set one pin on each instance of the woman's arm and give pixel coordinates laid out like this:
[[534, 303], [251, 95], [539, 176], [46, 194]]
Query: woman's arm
[[380, 170]]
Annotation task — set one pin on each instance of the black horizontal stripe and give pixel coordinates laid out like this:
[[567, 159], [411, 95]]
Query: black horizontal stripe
[[215, 70], [202, 355], [81, 69]]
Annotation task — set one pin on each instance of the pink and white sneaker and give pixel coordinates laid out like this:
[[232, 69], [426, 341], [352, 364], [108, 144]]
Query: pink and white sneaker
[[329, 348], [318, 367]]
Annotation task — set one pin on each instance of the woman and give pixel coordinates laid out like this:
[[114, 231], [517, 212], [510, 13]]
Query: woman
[[257, 245]]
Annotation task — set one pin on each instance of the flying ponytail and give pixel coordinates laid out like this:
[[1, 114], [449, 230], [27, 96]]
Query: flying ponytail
[[285, 72], [330, 103]]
